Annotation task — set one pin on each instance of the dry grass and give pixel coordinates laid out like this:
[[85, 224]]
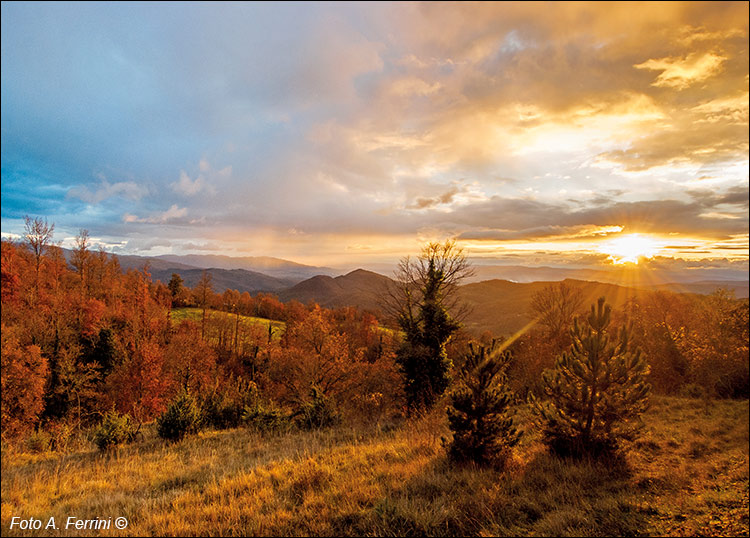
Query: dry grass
[[687, 475]]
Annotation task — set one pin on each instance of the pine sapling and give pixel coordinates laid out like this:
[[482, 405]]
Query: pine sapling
[[480, 412], [597, 390]]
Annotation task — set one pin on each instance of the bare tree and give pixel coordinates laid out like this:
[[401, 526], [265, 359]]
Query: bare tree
[[81, 257], [440, 268], [38, 235], [556, 306]]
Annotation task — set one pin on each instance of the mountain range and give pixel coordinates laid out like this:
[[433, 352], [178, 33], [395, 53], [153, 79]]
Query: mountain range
[[500, 305]]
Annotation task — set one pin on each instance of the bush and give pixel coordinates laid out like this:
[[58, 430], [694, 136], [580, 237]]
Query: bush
[[182, 417], [114, 430], [38, 441], [265, 417], [318, 412], [225, 409], [479, 415]]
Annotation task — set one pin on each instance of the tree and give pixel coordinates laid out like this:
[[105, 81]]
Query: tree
[[189, 360], [479, 417], [425, 304], [597, 391], [24, 373], [80, 259], [38, 234], [175, 286], [203, 292], [555, 307]]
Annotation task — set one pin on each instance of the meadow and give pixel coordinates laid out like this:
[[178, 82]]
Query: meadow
[[195, 315], [686, 475]]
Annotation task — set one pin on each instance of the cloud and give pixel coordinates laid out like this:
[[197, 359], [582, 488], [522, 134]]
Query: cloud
[[680, 73], [171, 214], [545, 232], [350, 123], [145, 244], [205, 181], [426, 203], [124, 189], [187, 186]]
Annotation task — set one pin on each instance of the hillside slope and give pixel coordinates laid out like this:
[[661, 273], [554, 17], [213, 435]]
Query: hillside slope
[[359, 288], [504, 307], [358, 482]]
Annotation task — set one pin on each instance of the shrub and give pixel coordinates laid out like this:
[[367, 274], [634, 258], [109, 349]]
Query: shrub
[[38, 441], [265, 417], [225, 408], [596, 392], [114, 430], [479, 414], [318, 412], [181, 418]]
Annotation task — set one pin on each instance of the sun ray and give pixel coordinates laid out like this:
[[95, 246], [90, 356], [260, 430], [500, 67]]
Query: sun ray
[[630, 248]]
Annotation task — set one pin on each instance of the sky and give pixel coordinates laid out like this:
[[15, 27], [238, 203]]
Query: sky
[[346, 133]]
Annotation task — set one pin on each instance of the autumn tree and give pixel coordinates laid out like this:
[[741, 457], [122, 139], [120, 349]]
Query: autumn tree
[[314, 354], [596, 391], [139, 386], [661, 320], [24, 374], [715, 345], [189, 361], [203, 292], [425, 303], [11, 263]]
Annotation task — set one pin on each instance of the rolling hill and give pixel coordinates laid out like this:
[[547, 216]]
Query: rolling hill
[[359, 288], [504, 307]]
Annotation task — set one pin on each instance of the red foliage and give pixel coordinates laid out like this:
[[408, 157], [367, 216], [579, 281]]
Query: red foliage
[[24, 374], [139, 386]]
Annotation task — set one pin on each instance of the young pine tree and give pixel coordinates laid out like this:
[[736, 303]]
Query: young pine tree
[[479, 415], [596, 391]]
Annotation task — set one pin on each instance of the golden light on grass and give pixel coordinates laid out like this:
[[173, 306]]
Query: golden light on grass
[[630, 248]]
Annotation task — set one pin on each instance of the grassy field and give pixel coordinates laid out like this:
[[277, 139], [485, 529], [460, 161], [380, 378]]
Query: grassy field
[[688, 475], [196, 314]]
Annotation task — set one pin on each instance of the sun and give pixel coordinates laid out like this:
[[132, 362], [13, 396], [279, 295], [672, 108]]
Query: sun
[[630, 248]]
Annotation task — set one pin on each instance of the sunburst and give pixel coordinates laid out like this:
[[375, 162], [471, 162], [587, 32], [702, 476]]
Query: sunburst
[[630, 248]]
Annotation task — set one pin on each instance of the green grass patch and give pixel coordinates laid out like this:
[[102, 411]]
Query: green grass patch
[[217, 316]]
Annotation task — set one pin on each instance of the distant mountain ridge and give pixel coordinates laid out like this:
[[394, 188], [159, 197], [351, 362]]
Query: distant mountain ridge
[[613, 274], [224, 279], [499, 305], [275, 267]]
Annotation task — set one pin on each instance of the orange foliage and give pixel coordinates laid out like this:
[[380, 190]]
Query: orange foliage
[[189, 362], [24, 374], [139, 386]]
